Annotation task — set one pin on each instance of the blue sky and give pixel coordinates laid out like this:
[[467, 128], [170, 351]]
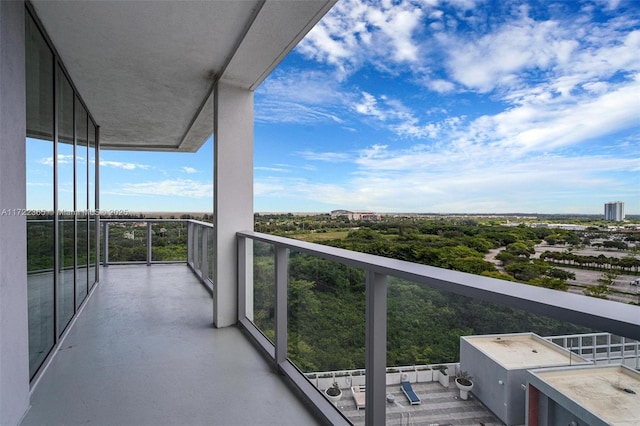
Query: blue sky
[[432, 106]]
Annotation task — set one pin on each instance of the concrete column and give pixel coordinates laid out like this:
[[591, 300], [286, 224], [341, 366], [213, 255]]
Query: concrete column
[[14, 339], [233, 192]]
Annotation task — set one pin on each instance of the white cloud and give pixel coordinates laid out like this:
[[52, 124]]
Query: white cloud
[[542, 127], [356, 32], [397, 23], [189, 170], [169, 187], [420, 178], [271, 169], [123, 165], [331, 157], [497, 59], [398, 117], [62, 159], [543, 109], [369, 106], [300, 97], [440, 86]]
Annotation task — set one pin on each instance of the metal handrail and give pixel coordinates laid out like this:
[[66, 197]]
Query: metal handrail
[[616, 348]]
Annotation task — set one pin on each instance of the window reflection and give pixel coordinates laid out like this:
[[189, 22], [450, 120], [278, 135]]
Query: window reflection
[[65, 194], [61, 184], [91, 237], [82, 223], [40, 226]]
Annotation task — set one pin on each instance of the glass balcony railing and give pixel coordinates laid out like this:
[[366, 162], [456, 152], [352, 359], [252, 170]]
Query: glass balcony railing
[[326, 315], [153, 241], [329, 315]]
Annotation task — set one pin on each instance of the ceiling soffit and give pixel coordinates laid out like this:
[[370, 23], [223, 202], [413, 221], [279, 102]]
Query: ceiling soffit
[[145, 69]]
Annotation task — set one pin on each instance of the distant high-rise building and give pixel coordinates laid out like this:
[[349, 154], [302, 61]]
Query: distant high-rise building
[[614, 211]]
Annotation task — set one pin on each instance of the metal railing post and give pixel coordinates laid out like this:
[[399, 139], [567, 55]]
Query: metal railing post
[[194, 254], [376, 348], [189, 242], [149, 243], [281, 260], [242, 278], [204, 262], [105, 263]]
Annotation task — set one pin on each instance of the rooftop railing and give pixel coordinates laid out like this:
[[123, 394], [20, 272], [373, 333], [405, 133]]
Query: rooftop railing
[[272, 313], [602, 348]]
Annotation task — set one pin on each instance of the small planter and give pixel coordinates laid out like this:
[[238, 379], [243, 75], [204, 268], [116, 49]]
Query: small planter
[[424, 375], [393, 377], [443, 376], [465, 387], [334, 393]]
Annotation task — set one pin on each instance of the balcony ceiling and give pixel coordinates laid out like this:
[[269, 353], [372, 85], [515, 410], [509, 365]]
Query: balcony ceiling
[[145, 68]]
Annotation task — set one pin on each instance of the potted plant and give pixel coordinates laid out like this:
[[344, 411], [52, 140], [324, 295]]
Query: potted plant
[[464, 382], [334, 392], [443, 375]]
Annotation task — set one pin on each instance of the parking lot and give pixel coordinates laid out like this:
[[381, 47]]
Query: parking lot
[[622, 290]]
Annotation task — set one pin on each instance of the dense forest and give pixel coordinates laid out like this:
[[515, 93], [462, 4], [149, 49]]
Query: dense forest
[[327, 300]]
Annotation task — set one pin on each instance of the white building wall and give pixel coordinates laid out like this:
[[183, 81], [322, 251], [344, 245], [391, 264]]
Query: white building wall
[[233, 192], [14, 342]]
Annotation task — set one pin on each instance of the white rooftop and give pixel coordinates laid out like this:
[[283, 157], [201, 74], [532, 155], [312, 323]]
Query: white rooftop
[[523, 351], [612, 393]]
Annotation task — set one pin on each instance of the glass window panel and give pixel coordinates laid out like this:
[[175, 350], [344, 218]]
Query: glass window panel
[[39, 168], [65, 194], [82, 220]]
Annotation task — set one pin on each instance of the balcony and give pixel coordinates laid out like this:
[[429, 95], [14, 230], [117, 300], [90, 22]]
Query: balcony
[[144, 351], [144, 341]]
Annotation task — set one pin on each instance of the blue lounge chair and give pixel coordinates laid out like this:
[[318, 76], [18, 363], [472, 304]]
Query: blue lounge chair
[[409, 393]]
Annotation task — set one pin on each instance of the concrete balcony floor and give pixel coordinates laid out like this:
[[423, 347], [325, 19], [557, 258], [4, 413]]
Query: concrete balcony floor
[[144, 352]]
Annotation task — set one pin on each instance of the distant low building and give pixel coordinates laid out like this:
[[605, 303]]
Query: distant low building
[[355, 215]]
